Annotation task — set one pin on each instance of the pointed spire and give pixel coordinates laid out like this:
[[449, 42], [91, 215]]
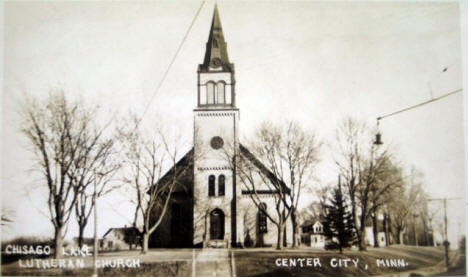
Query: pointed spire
[[216, 56]]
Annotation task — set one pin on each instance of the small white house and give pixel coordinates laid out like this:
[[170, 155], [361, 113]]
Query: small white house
[[313, 233], [120, 239], [370, 237]]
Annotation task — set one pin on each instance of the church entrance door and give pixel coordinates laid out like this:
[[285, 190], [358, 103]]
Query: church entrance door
[[217, 225]]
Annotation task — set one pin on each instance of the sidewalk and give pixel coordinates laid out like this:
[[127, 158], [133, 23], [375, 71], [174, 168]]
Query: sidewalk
[[212, 262]]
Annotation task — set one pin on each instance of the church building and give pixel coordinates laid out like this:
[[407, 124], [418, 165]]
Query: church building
[[210, 206]]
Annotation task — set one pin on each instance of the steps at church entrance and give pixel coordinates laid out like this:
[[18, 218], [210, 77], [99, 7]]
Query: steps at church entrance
[[213, 262], [217, 244]]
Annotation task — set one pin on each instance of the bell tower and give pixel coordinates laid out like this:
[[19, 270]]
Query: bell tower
[[215, 138], [216, 81]]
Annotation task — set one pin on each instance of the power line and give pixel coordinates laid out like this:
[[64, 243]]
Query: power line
[[159, 86], [420, 104], [170, 65]]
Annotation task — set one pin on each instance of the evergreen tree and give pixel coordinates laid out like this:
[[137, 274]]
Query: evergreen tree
[[339, 220]]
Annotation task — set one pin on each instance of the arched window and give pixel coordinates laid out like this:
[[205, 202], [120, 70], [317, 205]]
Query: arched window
[[221, 181], [262, 218], [217, 224], [210, 93], [211, 185], [221, 95]]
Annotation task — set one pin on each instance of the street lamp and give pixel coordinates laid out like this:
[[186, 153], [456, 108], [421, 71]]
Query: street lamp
[[378, 137]]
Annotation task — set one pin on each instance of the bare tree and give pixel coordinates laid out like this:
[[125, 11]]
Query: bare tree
[[370, 188], [349, 160], [360, 163], [282, 159], [417, 198], [146, 160], [255, 177], [61, 134], [399, 211], [407, 200], [93, 175], [298, 153], [314, 209], [389, 180]]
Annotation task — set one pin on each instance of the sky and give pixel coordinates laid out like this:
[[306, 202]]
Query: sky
[[313, 62]]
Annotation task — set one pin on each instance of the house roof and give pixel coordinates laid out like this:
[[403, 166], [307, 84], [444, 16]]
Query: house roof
[[123, 230], [312, 221], [270, 175], [186, 164], [183, 170]]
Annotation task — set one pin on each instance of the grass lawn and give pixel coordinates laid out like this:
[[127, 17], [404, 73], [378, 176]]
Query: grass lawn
[[264, 263], [254, 262]]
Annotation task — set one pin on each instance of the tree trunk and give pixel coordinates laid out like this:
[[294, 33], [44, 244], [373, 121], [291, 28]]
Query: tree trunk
[[362, 242], [80, 235], [58, 242], [400, 237], [386, 227], [144, 248], [356, 221], [397, 236], [374, 230], [294, 229], [279, 244], [362, 226], [285, 235]]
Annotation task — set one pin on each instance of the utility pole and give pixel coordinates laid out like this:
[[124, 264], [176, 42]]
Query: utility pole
[[446, 241], [95, 252], [414, 229]]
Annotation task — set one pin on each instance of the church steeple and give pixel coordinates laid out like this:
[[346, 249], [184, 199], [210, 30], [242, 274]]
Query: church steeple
[[216, 57], [216, 81]]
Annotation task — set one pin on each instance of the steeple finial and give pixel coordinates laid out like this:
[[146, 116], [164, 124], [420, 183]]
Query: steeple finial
[[216, 56]]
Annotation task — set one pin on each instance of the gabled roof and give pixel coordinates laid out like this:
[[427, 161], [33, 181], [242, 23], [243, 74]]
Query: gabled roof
[[216, 51], [270, 175], [312, 221], [123, 230], [185, 164]]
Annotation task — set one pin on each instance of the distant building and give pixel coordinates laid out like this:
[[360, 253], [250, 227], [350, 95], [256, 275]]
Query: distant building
[[126, 238], [369, 233], [369, 237], [312, 233]]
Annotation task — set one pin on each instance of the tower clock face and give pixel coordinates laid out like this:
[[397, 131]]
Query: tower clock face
[[217, 142], [216, 62]]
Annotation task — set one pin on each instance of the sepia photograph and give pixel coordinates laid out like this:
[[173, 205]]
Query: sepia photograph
[[233, 138]]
